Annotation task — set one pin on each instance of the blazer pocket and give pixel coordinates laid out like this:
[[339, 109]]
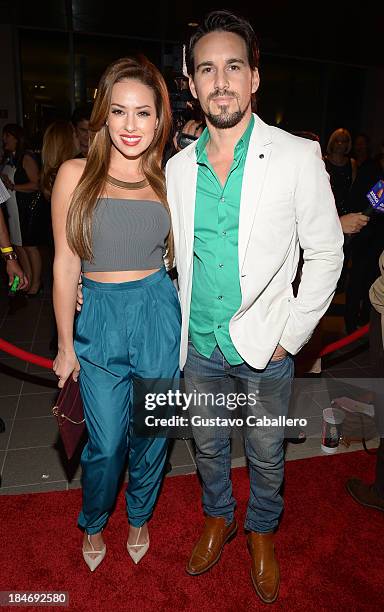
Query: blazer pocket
[[277, 195], [279, 213]]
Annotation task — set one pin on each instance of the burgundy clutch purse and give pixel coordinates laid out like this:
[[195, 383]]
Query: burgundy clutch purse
[[70, 415]]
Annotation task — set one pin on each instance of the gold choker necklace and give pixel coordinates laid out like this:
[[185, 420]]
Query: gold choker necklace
[[125, 185]]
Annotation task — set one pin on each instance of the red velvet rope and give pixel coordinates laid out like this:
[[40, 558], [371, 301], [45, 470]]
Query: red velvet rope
[[334, 346], [47, 363], [25, 355]]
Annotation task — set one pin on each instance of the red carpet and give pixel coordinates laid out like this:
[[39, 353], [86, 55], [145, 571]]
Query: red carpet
[[331, 550]]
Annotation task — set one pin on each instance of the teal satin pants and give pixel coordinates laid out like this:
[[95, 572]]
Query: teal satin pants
[[124, 330]]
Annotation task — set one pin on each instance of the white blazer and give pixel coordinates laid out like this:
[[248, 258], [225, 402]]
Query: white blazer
[[286, 200]]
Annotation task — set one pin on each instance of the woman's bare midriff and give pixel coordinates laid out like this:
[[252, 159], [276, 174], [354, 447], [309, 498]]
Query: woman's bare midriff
[[121, 276]]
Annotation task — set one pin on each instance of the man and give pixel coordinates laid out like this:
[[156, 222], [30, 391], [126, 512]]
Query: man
[[242, 198], [80, 120], [372, 495], [8, 254], [12, 265]]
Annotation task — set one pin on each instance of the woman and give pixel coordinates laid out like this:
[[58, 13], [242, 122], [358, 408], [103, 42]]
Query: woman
[[60, 143], [111, 219], [25, 184], [342, 170], [340, 166]]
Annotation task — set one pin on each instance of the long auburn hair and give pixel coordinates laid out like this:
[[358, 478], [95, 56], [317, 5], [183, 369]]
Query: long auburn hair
[[58, 146], [93, 179]]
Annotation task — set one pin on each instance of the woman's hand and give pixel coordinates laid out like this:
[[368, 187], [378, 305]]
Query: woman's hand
[[65, 365]]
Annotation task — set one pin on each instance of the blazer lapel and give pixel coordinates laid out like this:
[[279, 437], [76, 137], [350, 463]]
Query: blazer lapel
[[189, 179], [259, 152]]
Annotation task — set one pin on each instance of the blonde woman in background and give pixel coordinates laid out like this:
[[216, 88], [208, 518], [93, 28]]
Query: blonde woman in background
[[342, 170], [60, 143]]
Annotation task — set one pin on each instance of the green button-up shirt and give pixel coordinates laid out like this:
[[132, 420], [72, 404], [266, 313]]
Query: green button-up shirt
[[216, 293]]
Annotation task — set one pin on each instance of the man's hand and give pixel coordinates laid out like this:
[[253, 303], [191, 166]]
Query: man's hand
[[279, 353], [13, 269], [192, 127], [353, 222], [79, 298]]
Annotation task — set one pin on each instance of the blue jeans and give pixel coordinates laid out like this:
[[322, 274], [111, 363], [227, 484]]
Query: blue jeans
[[263, 444]]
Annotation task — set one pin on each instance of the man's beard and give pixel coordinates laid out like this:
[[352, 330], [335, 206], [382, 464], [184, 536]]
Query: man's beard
[[225, 120]]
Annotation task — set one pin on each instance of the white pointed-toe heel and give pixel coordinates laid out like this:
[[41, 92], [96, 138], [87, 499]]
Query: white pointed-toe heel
[[93, 562], [137, 551]]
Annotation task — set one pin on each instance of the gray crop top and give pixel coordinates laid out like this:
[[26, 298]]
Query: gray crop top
[[128, 235]]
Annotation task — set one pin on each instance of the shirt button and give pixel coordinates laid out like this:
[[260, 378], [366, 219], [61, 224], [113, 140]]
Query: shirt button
[[224, 233], [219, 297], [221, 265], [219, 327], [222, 199]]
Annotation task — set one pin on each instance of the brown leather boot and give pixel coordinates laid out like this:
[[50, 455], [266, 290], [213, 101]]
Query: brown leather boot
[[265, 572], [365, 494], [210, 545]]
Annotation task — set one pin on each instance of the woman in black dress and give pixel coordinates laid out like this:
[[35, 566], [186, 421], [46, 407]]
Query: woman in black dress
[[342, 171]]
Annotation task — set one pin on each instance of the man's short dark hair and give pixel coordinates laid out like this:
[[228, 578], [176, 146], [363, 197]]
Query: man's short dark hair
[[81, 113], [224, 21]]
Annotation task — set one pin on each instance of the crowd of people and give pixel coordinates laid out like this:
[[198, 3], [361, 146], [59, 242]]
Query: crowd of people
[[230, 211], [29, 175]]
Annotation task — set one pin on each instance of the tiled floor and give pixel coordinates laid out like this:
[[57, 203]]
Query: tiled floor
[[31, 457]]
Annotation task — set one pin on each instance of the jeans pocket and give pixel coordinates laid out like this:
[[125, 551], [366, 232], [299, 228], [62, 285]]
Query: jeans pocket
[[281, 367]]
